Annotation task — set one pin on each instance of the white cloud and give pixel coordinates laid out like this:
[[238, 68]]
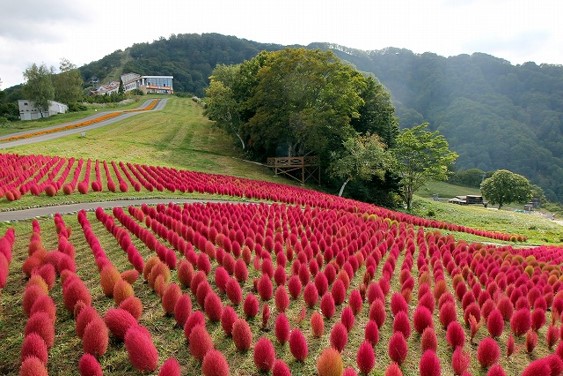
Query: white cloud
[[84, 30]]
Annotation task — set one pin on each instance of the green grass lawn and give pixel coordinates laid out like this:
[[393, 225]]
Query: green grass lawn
[[21, 126], [178, 136]]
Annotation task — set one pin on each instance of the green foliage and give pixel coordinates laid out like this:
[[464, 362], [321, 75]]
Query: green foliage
[[298, 102], [472, 177], [505, 187], [68, 83], [304, 102], [362, 158], [420, 155], [39, 86]]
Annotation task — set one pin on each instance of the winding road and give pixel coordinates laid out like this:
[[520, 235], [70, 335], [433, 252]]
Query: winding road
[[63, 133]]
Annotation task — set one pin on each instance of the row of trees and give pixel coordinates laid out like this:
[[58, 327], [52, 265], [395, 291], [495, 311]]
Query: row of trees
[[44, 85], [296, 102]]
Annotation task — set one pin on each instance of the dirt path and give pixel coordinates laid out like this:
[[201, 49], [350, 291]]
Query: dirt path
[[52, 136]]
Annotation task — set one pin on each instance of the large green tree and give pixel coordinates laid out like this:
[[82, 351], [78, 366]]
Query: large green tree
[[39, 87], [68, 83], [505, 186], [420, 155], [362, 158], [304, 101]]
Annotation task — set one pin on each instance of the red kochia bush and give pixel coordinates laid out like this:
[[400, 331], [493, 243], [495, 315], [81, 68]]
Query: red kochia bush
[[108, 277], [294, 286], [317, 324], [182, 309], [32, 366], [551, 336], [447, 314], [282, 328], [329, 363], [422, 319], [234, 292], [310, 295], [44, 303], [347, 318], [495, 323], [401, 324], [170, 367], [398, 348], [428, 341], [455, 335], [195, 318], [365, 358], [86, 315], [121, 291], [242, 335], [228, 318], [95, 340], [281, 299], [298, 345], [327, 305], [133, 305], [521, 321], [377, 312], [34, 345], [213, 307], [119, 321], [280, 368], [171, 295], [531, 341], [215, 364], [140, 349], [74, 292], [338, 292], [265, 287], [251, 305], [429, 364], [393, 370], [30, 295], [371, 333], [496, 370], [41, 324], [264, 354], [398, 303], [338, 336], [537, 367], [89, 366], [488, 352], [200, 342], [460, 360]]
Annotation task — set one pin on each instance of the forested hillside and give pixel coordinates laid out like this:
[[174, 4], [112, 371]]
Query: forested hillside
[[494, 114]]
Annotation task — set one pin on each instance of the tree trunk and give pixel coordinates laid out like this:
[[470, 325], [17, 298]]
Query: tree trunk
[[343, 186], [241, 141]]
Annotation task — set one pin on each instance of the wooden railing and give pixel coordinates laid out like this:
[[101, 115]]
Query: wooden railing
[[298, 168]]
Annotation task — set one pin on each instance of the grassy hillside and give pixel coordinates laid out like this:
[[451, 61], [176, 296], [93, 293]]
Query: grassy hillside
[[178, 136]]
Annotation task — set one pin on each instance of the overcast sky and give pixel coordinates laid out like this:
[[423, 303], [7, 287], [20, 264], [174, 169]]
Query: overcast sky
[[44, 31]]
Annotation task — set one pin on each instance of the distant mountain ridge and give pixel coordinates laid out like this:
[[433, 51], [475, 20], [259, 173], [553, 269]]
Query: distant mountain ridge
[[494, 114]]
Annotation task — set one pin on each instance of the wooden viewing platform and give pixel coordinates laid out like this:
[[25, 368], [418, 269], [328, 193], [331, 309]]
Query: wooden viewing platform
[[301, 169]]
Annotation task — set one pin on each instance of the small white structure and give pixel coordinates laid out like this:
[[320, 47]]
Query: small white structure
[[112, 87], [28, 111]]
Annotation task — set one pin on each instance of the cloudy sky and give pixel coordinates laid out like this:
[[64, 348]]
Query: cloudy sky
[[44, 31]]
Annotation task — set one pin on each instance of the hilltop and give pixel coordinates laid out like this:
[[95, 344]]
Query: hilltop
[[494, 114]]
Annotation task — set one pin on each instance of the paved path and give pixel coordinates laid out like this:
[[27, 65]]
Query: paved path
[[46, 211], [52, 136]]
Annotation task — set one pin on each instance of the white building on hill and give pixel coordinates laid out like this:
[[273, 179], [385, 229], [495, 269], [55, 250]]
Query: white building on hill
[[28, 111]]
